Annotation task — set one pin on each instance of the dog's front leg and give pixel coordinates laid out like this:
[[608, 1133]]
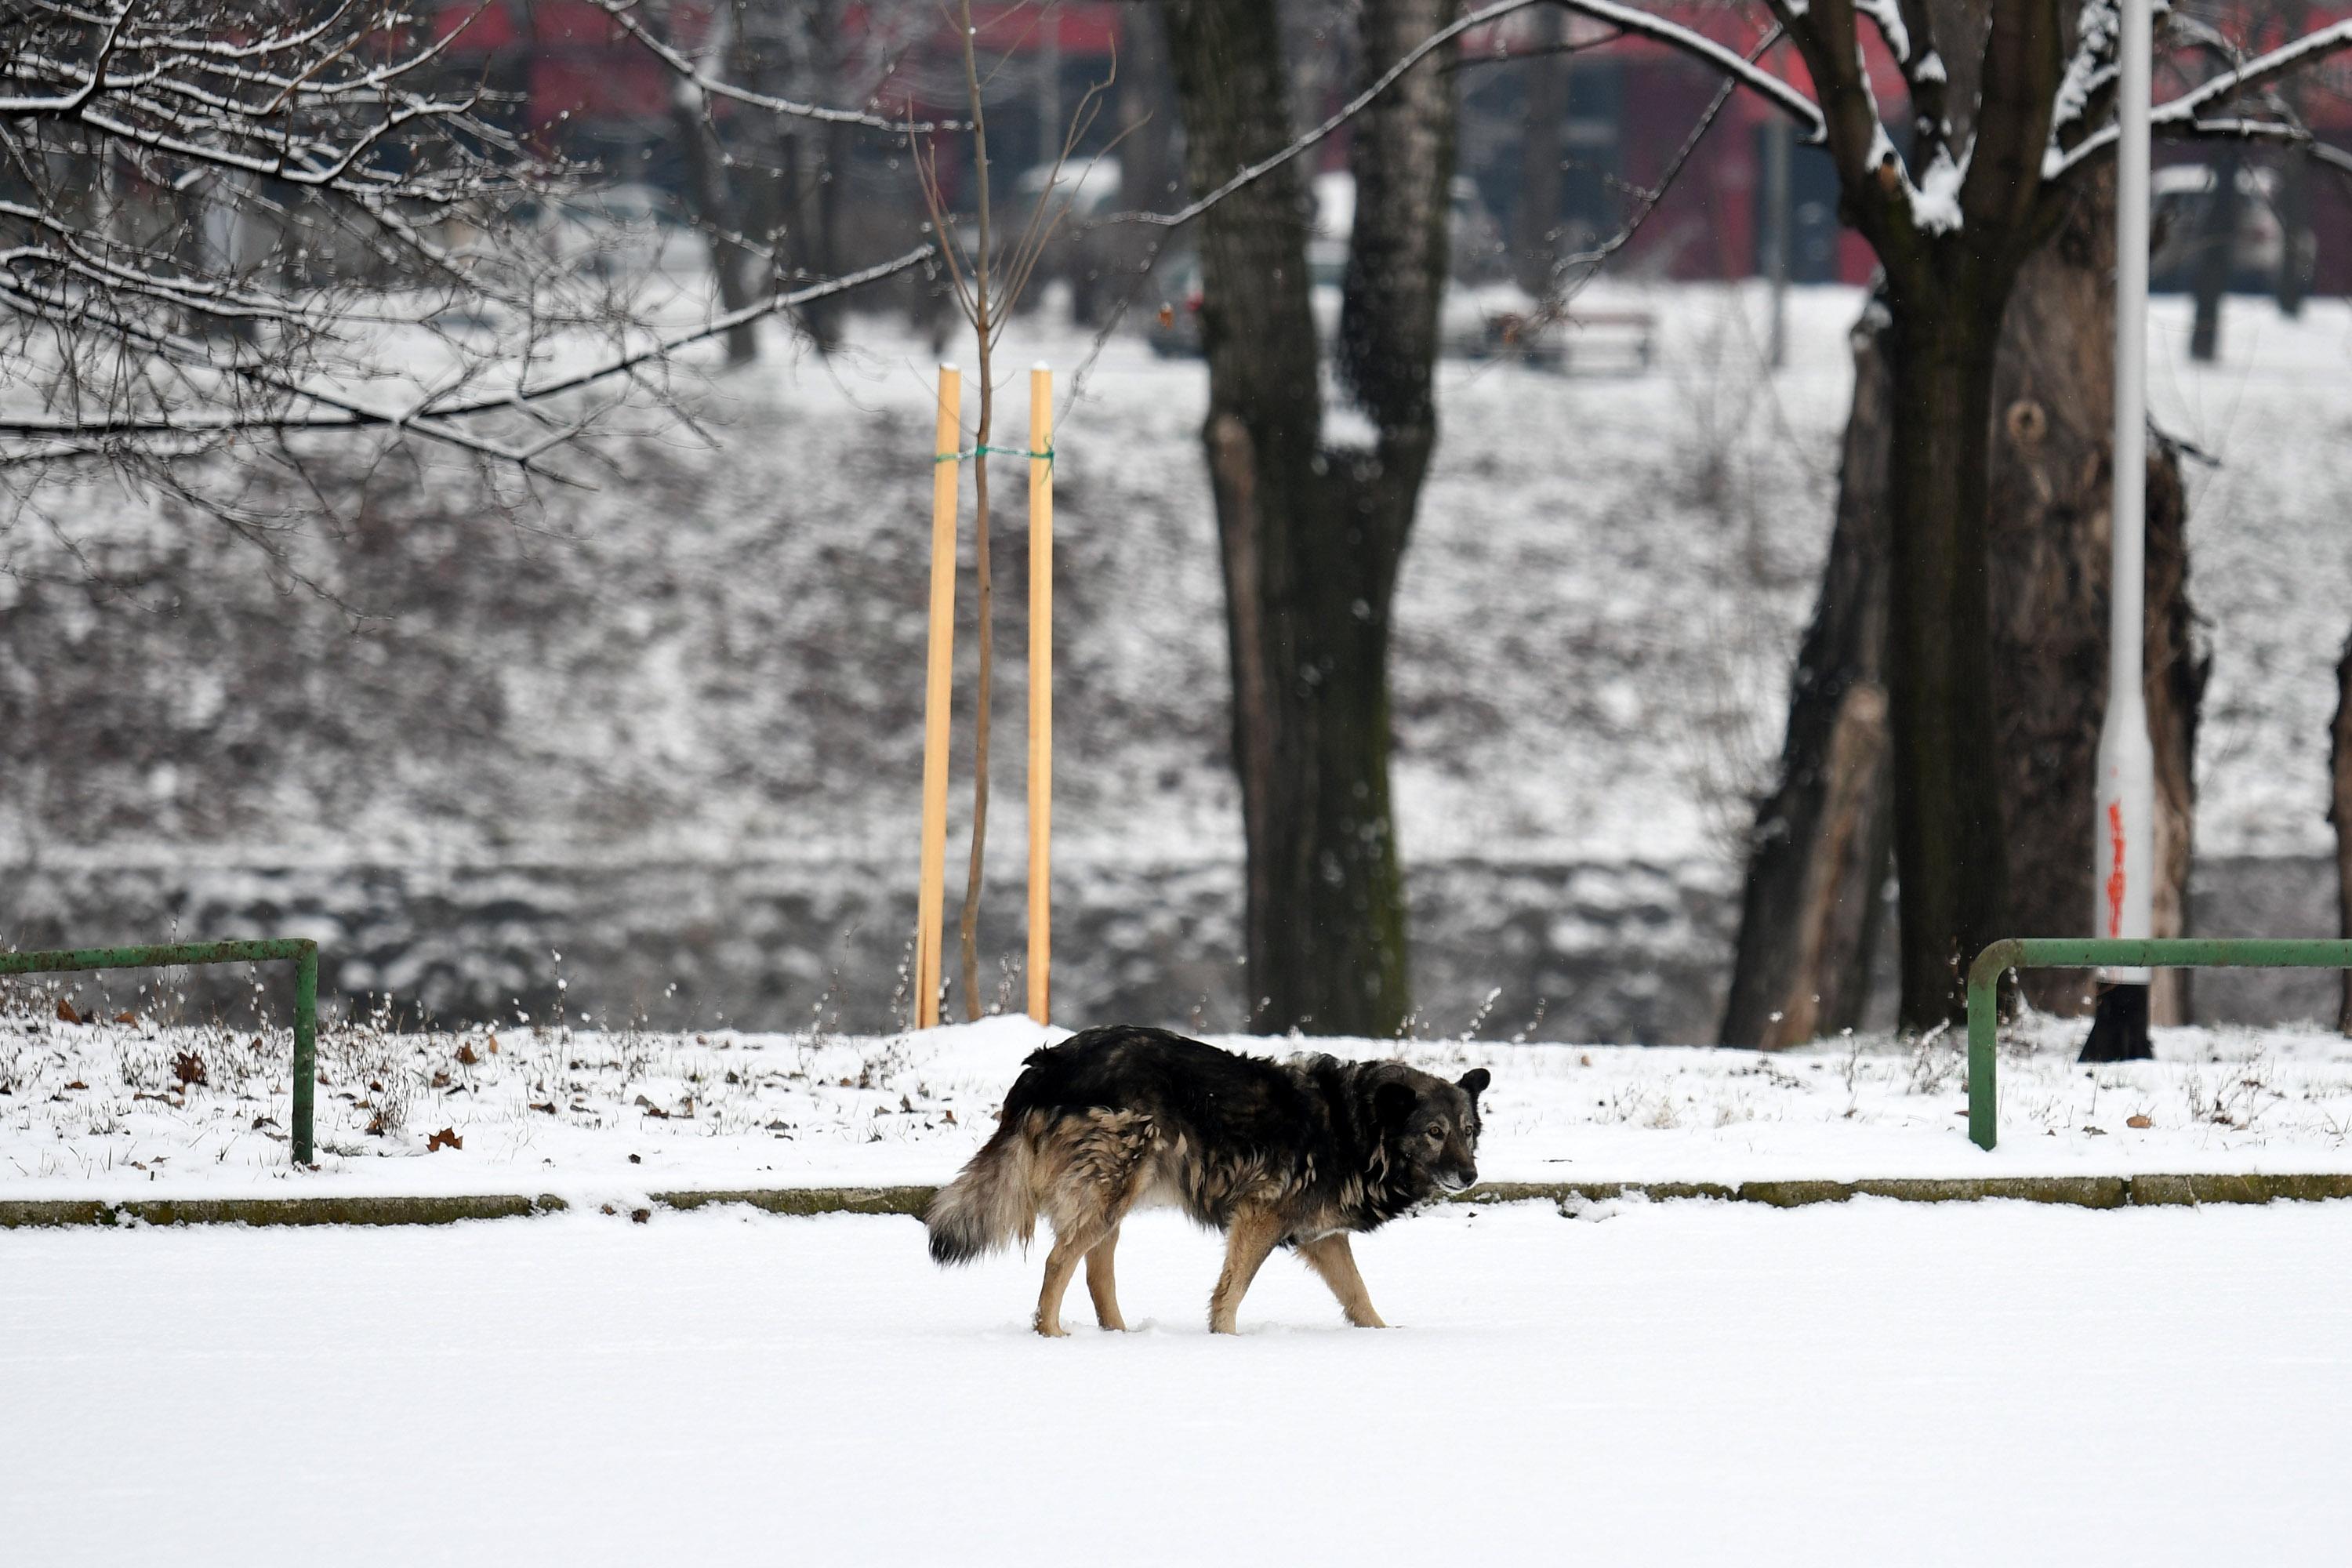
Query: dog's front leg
[[1335, 1260], [1252, 1237]]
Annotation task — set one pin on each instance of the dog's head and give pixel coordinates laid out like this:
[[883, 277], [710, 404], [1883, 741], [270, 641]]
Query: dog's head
[[1429, 1127]]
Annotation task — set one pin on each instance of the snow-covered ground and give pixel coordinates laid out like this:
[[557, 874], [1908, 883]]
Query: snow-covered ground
[[1678, 1383], [98, 1111]]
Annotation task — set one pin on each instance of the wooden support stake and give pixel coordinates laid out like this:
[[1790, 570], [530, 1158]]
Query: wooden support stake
[[1041, 693], [930, 903]]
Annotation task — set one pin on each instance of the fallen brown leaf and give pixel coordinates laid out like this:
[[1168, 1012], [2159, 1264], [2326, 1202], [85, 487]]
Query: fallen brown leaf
[[445, 1139], [66, 1012], [2137, 1121], [76, 1084], [126, 1017], [641, 1216], [189, 1068], [467, 1055]]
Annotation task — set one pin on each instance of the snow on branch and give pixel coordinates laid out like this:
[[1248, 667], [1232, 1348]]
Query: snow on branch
[[1699, 47], [1887, 18], [2188, 114], [2090, 75], [2260, 71]]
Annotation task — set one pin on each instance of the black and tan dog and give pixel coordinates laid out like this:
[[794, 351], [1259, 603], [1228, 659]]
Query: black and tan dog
[[1296, 1153]]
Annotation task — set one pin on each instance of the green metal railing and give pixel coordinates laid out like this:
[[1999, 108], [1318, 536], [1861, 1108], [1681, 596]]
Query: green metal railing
[[304, 953], [2094, 952]]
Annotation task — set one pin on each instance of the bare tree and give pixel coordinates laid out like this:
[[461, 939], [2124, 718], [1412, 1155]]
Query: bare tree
[[988, 280], [1313, 530], [2045, 579], [2005, 119], [228, 224], [764, 155]]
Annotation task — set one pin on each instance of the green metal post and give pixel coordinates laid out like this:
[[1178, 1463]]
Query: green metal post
[[2121, 952], [306, 1048], [301, 950], [1984, 1026]]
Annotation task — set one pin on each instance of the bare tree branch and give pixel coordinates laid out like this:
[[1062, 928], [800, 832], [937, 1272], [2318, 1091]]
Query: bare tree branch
[[622, 13], [220, 224], [1628, 20], [2181, 115]]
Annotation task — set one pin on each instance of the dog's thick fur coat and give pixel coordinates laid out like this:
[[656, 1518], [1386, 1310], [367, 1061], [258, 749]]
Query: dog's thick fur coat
[[1297, 1153]]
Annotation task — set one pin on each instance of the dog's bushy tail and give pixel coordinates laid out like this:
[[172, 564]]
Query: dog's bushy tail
[[991, 1202]]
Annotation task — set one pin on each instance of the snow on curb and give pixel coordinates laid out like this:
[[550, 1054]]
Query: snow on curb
[[133, 1120]]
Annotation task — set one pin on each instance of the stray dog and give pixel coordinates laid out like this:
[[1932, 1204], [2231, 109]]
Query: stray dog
[[1296, 1154]]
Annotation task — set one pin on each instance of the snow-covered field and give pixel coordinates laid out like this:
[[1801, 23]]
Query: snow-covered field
[[1866, 1383], [596, 1117]]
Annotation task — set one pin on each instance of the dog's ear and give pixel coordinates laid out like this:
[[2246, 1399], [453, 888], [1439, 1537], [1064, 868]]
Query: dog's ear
[[1474, 1082], [1392, 1102]]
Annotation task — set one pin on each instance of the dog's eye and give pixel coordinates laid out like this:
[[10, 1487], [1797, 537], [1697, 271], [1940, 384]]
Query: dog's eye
[[1437, 1134]]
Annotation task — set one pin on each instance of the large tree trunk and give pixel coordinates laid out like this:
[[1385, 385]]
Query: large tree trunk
[[1810, 911], [1805, 937], [1948, 840], [1311, 536], [2052, 560]]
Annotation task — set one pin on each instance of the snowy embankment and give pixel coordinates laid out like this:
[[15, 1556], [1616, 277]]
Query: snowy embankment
[[1681, 1382], [671, 725], [102, 1111]]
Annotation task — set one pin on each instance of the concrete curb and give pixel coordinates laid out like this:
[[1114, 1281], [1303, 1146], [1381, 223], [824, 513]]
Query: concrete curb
[[38, 1212], [2078, 1191]]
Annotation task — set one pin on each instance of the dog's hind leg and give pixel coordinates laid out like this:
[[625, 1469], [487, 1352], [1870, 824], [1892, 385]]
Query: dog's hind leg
[[1060, 1264], [1251, 1237], [1331, 1257], [1100, 1283]]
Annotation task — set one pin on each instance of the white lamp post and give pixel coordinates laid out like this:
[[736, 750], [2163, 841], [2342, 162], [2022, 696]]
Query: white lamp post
[[2124, 836]]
